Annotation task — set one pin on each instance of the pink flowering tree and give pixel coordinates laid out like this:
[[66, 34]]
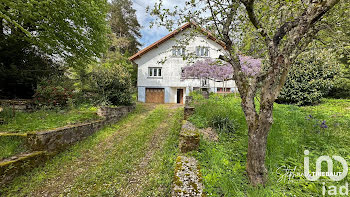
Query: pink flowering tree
[[216, 70], [250, 66], [208, 69]]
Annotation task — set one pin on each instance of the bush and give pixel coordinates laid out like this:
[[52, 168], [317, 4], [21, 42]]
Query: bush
[[341, 87], [223, 124], [214, 113], [111, 84], [310, 78], [55, 91]]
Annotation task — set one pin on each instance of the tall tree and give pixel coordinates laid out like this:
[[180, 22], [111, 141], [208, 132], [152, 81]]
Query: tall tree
[[124, 26], [37, 36], [74, 31], [283, 29]]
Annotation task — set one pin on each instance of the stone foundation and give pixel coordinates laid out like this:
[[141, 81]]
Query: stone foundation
[[18, 104], [45, 144]]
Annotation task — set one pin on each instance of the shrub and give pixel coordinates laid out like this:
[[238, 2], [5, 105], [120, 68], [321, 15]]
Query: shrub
[[341, 87], [223, 124], [215, 113], [111, 85], [310, 78], [55, 91]]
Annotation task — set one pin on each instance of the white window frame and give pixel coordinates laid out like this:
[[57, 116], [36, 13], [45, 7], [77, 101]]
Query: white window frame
[[178, 51], [155, 72], [202, 51]]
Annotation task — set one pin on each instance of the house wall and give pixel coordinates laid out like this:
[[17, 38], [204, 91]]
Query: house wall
[[171, 68]]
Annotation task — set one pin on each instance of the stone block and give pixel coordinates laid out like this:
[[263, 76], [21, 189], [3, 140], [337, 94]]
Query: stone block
[[188, 111], [189, 137], [188, 178]]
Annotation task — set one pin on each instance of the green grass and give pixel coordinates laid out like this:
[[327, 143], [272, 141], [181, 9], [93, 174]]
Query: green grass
[[23, 122], [223, 163], [11, 145], [162, 166], [108, 161], [28, 182]]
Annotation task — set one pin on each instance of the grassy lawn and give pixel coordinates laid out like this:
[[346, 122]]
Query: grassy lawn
[[11, 145], [142, 146], [23, 122], [295, 129]]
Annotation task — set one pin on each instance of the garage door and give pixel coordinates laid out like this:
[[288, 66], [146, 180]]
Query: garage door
[[154, 95]]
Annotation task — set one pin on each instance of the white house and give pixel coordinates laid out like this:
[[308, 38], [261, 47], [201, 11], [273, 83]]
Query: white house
[[160, 65]]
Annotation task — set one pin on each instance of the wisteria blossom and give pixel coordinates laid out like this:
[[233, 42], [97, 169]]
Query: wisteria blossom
[[250, 66], [208, 68]]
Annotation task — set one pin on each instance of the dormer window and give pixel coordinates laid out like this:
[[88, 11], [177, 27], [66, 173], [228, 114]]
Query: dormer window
[[202, 51], [178, 51]]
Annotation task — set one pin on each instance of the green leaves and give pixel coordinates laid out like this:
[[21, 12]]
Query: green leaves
[[74, 30], [310, 78]]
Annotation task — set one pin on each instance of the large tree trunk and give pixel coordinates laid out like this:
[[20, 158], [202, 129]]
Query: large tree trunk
[[259, 125], [257, 141]]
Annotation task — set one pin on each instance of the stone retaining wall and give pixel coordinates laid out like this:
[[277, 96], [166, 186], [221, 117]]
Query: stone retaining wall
[[188, 178], [45, 144], [18, 104], [189, 137], [11, 167], [56, 139]]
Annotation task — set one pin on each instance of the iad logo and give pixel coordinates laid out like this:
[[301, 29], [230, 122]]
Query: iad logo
[[316, 175], [337, 176]]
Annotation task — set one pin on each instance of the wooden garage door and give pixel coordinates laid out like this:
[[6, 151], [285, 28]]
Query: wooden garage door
[[154, 95]]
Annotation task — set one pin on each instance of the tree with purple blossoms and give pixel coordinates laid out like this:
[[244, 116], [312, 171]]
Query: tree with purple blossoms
[[279, 31], [208, 68], [217, 70]]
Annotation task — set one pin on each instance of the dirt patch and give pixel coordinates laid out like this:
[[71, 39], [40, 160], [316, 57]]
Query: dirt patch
[[136, 180], [209, 134]]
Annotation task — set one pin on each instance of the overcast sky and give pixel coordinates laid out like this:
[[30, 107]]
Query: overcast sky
[[150, 35]]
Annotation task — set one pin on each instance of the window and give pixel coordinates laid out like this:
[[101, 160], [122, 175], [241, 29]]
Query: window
[[154, 72], [178, 51], [220, 90], [202, 51]]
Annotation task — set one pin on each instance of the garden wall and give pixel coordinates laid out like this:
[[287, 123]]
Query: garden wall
[[187, 176], [45, 144], [18, 104], [56, 139]]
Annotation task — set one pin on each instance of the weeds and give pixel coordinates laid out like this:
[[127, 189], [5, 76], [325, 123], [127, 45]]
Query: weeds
[[223, 163]]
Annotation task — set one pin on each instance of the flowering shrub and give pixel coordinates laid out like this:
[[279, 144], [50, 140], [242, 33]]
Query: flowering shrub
[[54, 92], [208, 68], [213, 69], [249, 65]]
